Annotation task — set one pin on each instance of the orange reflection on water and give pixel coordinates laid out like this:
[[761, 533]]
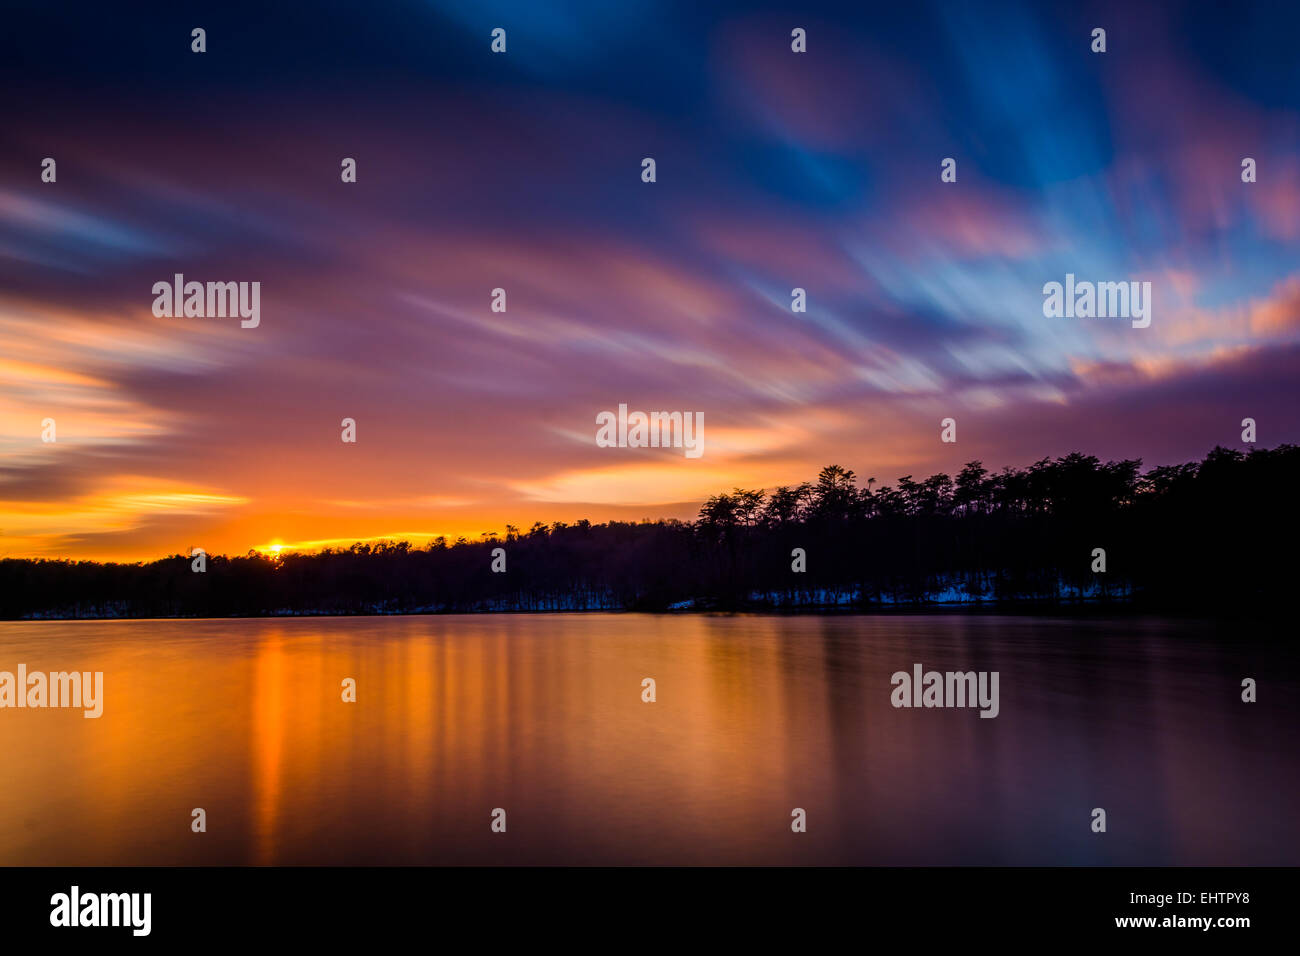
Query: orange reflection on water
[[542, 715]]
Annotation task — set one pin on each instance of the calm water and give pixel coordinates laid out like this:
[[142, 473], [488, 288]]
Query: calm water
[[542, 715]]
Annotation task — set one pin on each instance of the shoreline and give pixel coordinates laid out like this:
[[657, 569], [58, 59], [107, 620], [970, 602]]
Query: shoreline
[[1072, 610]]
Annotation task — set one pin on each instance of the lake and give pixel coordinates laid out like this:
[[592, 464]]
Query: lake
[[755, 715]]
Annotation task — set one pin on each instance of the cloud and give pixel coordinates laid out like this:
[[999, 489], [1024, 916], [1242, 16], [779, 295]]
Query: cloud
[[776, 170]]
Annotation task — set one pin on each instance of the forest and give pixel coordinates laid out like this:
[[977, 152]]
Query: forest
[[1214, 536]]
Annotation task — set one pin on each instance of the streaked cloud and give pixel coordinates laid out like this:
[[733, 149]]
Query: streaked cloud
[[775, 172]]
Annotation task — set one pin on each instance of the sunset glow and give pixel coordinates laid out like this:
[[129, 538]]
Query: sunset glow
[[924, 299]]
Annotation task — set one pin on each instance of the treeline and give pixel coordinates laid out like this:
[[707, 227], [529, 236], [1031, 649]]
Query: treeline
[[1204, 536]]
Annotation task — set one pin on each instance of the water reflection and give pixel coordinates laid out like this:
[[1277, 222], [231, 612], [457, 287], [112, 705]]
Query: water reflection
[[542, 715]]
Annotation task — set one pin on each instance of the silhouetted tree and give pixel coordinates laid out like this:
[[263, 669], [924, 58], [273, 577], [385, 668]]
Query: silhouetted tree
[[1213, 535]]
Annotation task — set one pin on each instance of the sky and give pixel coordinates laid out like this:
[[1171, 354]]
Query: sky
[[522, 171]]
